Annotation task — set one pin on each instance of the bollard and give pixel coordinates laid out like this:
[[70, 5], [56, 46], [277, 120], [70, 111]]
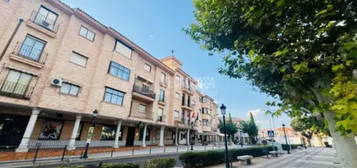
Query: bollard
[[205, 147], [150, 150], [36, 153], [177, 148], [111, 155], [132, 152], [64, 152], [164, 148]]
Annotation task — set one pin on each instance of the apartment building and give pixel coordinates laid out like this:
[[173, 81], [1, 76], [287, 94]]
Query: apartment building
[[65, 78]]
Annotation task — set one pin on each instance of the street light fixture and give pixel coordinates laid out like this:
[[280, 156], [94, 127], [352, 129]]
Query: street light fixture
[[286, 140], [90, 134], [223, 112]]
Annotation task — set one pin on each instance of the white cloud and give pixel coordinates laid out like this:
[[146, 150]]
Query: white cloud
[[255, 112]]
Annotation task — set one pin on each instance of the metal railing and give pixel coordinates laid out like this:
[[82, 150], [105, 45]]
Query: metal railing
[[30, 52], [144, 91], [16, 90], [44, 21]]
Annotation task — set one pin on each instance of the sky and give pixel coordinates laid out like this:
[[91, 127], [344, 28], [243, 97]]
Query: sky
[[157, 26]]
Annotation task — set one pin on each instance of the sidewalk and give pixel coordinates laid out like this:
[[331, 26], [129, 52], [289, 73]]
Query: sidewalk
[[309, 158]]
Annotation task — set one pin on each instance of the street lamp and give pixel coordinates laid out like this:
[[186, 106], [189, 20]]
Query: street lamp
[[192, 137], [241, 138], [223, 112], [90, 134], [286, 140]]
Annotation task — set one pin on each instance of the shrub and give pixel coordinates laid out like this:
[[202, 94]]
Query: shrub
[[208, 158], [293, 146], [120, 165], [69, 166], [160, 163]]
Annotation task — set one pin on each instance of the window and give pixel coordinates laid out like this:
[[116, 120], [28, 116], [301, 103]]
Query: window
[[46, 18], [78, 59], [86, 33], [79, 132], [205, 122], [119, 71], [70, 89], [123, 49], [183, 99], [177, 114], [113, 96], [178, 79], [177, 95], [162, 95], [163, 78], [147, 137], [147, 67], [32, 48], [16, 83], [183, 116], [142, 108], [160, 113], [51, 130], [108, 133]]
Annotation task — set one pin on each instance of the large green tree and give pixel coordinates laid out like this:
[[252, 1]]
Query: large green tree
[[231, 127], [301, 52], [250, 128]]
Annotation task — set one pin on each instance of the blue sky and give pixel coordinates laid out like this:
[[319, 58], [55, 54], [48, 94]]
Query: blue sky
[[157, 27]]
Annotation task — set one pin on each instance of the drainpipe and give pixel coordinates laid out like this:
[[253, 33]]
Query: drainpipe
[[11, 38]]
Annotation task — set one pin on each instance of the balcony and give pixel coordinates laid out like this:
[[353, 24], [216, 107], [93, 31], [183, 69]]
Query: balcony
[[187, 106], [160, 118], [29, 55], [16, 90], [143, 93], [188, 89], [163, 83]]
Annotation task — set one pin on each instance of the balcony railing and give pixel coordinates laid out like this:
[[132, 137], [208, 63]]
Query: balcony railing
[[144, 91], [160, 118], [16, 90], [30, 52], [163, 82], [44, 21]]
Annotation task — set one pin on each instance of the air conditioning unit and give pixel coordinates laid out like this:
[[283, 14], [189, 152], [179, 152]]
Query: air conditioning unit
[[57, 82]]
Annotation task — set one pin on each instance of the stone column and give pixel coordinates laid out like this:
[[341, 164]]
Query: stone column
[[144, 136], [188, 137], [162, 134], [23, 147], [176, 136], [117, 134], [72, 141]]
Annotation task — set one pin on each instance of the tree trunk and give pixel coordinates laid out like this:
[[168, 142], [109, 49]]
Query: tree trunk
[[346, 147]]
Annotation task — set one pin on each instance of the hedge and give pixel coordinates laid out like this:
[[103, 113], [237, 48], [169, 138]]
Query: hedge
[[120, 165], [293, 146], [160, 163], [208, 158]]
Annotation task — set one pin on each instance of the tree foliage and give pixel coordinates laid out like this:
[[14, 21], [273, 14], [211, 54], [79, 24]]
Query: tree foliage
[[250, 128], [301, 52], [231, 127]]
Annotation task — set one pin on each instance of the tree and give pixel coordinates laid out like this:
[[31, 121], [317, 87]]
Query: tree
[[308, 126], [250, 128], [231, 128], [302, 53]]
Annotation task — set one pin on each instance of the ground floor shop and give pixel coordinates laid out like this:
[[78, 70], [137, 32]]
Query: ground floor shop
[[22, 129]]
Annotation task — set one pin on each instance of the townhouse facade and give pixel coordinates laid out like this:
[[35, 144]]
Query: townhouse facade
[[65, 78]]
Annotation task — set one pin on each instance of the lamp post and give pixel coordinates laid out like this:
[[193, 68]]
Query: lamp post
[[223, 112], [286, 140], [192, 137], [241, 138], [90, 134]]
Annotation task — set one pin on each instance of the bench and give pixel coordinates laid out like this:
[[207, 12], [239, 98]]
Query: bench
[[247, 158]]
